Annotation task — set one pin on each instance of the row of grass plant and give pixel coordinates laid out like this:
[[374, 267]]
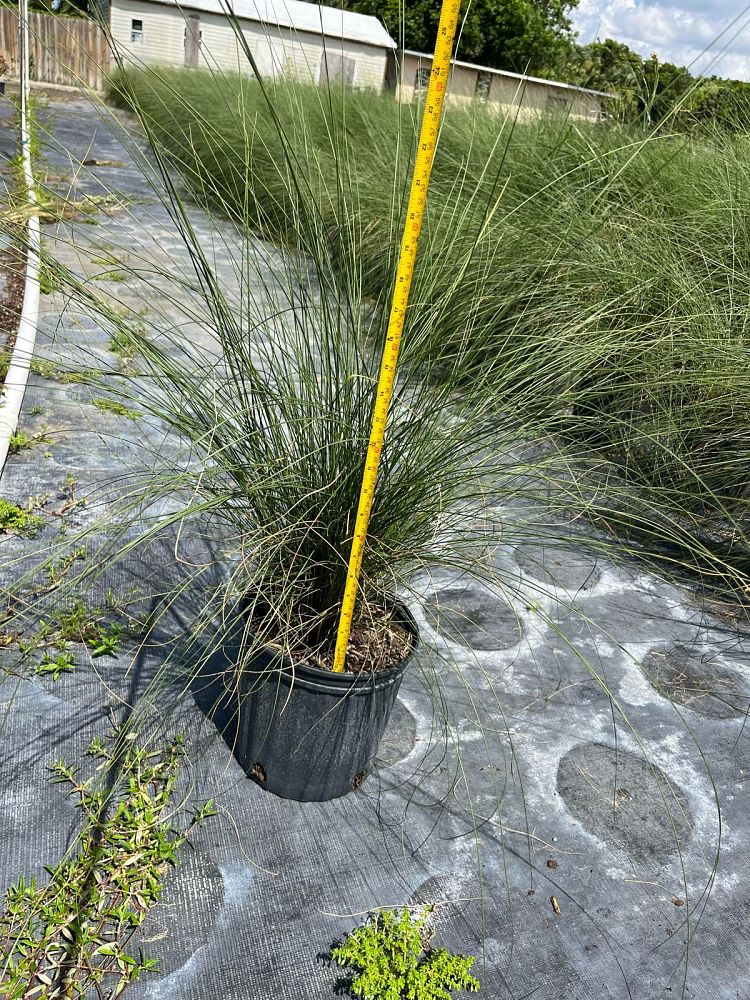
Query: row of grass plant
[[592, 280]]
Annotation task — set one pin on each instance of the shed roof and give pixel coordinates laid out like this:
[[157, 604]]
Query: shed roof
[[298, 16], [515, 76]]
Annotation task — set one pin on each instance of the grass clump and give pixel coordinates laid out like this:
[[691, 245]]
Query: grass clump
[[274, 410], [16, 520], [278, 444], [393, 959], [593, 279]]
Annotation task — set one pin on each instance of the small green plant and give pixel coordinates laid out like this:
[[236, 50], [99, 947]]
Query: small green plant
[[72, 624], [393, 959], [75, 376], [79, 624], [57, 571], [110, 276], [49, 282], [68, 493], [36, 411], [105, 259], [21, 440], [119, 409], [69, 376], [68, 938], [45, 369], [61, 663], [16, 520], [103, 640], [125, 343]]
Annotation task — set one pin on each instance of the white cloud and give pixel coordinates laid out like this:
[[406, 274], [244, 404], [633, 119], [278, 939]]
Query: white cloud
[[711, 39]]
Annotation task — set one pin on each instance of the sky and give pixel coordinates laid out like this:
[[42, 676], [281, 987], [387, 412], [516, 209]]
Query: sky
[[695, 33]]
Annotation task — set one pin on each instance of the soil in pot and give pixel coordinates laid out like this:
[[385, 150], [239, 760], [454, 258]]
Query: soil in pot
[[380, 642], [304, 732]]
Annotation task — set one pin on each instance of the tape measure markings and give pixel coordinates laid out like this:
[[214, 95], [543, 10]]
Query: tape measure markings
[[414, 215]]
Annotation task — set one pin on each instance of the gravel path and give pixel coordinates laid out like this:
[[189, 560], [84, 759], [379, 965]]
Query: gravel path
[[534, 794]]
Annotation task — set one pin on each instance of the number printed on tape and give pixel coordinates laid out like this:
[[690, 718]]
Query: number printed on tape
[[415, 212]]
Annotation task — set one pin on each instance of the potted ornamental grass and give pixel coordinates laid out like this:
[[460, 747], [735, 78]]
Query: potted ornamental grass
[[272, 424], [271, 409]]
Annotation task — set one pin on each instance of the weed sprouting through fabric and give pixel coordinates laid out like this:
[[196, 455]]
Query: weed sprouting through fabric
[[69, 936]]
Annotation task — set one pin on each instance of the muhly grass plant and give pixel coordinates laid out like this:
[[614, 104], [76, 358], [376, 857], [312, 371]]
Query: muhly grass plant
[[272, 413], [593, 280], [272, 421]]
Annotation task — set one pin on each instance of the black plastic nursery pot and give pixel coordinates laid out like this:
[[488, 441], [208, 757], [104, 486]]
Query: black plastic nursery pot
[[310, 734]]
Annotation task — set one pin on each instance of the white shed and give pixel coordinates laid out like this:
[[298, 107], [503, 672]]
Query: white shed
[[286, 37], [509, 93]]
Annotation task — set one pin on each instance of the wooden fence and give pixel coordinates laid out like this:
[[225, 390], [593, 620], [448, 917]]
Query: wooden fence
[[63, 50]]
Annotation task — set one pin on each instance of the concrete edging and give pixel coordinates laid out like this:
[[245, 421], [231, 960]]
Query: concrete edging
[[12, 393]]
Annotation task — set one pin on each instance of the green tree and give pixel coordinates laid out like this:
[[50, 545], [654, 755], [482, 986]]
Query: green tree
[[649, 90], [724, 103], [518, 35], [608, 66]]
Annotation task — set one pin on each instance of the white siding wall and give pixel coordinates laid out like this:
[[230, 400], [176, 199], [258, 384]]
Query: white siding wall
[[276, 50], [535, 99], [304, 55], [163, 32], [508, 95]]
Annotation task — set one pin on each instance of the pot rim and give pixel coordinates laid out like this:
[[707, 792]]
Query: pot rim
[[317, 677]]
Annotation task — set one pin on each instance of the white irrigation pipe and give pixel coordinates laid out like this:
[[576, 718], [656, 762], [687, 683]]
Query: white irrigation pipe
[[17, 375]]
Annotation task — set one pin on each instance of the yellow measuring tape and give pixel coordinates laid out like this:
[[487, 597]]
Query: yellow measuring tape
[[433, 108]]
